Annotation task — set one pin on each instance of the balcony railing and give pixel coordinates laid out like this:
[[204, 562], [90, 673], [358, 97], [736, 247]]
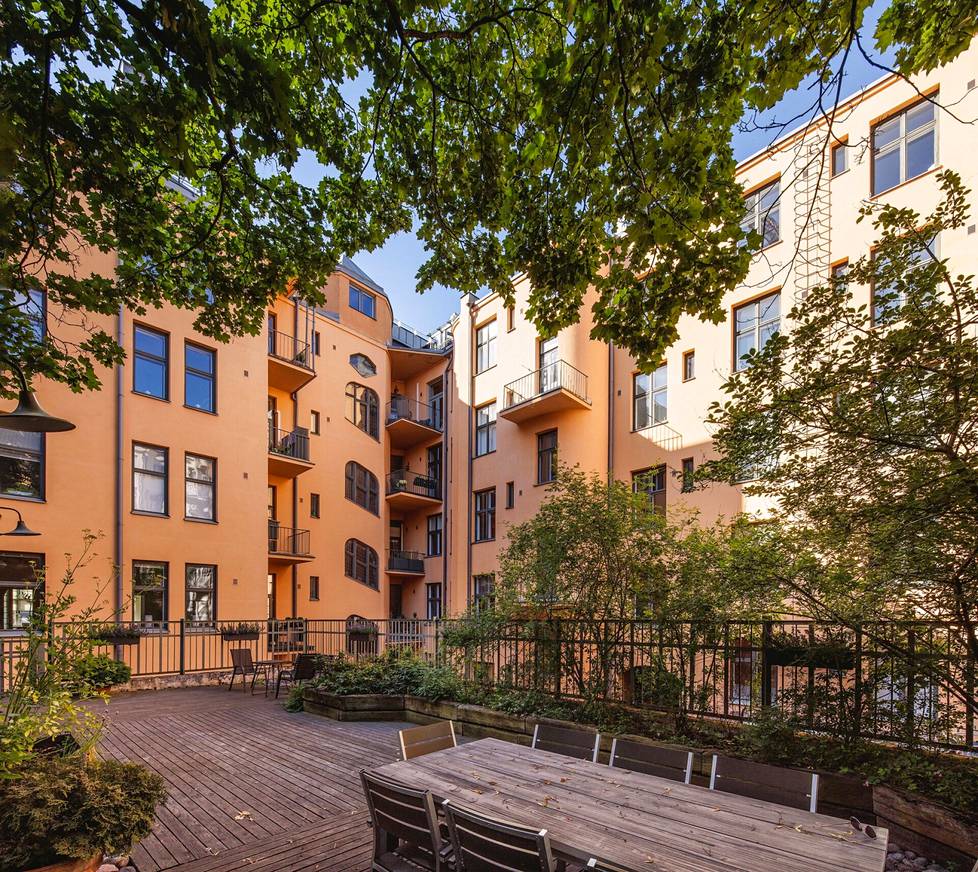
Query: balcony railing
[[403, 481], [284, 347], [402, 408], [405, 561], [294, 443], [287, 540], [559, 375]]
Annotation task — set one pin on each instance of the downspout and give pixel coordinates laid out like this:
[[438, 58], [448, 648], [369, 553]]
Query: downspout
[[611, 412], [445, 586], [119, 452], [469, 461], [295, 481]]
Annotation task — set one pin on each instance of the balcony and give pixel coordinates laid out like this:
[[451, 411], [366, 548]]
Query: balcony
[[288, 452], [557, 387], [407, 491], [290, 362], [287, 544], [405, 562], [410, 422], [412, 352]]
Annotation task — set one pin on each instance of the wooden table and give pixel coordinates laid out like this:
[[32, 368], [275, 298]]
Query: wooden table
[[638, 821]]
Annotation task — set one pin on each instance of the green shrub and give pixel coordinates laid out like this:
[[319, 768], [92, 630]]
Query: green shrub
[[97, 671], [396, 673], [54, 808], [293, 702]]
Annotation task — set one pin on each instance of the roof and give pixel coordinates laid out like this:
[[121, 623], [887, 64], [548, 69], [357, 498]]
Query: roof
[[349, 268]]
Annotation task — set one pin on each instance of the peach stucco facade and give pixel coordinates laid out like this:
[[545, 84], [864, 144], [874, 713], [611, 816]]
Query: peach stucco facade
[[351, 466]]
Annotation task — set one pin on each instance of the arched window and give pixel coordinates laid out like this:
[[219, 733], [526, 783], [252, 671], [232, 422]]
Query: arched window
[[361, 563], [363, 408], [361, 487]]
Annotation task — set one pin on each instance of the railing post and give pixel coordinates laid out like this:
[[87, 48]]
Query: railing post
[[183, 645], [766, 690], [857, 707], [969, 715], [911, 699]]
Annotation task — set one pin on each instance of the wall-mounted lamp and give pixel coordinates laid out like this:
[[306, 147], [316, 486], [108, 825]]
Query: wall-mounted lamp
[[21, 529], [29, 417]]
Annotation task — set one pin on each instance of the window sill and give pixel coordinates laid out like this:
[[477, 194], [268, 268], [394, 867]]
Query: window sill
[[651, 426], [487, 369], [480, 541], [686, 380], [23, 499], [151, 396], [198, 409], [484, 454], [201, 520], [836, 175], [766, 248], [149, 514], [905, 182]]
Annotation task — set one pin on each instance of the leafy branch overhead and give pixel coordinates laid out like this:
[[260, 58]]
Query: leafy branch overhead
[[576, 141]]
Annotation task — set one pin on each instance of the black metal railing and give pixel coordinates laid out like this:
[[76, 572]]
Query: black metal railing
[[402, 408], [553, 376], [403, 481], [291, 350], [287, 540], [289, 443], [405, 561]]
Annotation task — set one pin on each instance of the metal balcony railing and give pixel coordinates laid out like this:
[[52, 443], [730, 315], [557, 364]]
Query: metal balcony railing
[[406, 336], [402, 408], [403, 481], [291, 350], [554, 376], [294, 443], [405, 561], [287, 540]]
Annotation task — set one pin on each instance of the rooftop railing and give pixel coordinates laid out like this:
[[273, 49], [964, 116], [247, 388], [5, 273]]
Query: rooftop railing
[[554, 376]]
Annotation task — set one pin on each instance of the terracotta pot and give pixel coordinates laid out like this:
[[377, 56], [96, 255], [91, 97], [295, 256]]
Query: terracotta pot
[[89, 865]]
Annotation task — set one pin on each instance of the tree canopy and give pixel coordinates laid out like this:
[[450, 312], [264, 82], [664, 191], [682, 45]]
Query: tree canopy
[[584, 143]]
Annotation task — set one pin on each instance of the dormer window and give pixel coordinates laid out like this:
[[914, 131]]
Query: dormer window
[[363, 301]]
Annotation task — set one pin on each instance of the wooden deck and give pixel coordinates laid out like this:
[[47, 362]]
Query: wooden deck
[[250, 785]]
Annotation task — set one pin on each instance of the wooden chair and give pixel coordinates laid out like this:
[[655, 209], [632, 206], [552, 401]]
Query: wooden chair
[[406, 833], [670, 763], [417, 741], [562, 740], [304, 668], [244, 664], [759, 781], [483, 844]]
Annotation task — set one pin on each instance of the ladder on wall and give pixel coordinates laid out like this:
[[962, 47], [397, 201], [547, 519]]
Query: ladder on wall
[[810, 172]]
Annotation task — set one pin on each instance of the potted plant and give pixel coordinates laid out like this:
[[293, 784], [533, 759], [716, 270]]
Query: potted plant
[[241, 632], [116, 634], [787, 649]]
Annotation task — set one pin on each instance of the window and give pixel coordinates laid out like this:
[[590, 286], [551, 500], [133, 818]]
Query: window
[[313, 588], [317, 343], [198, 381], [149, 479], [363, 301], [436, 402], [21, 588], [840, 158], [313, 505], [434, 466], [485, 429], [650, 400], [314, 422], [904, 146], [361, 563], [201, 593], [889, 299], [200, 488], [689, 469], [149, 590], [363, 365], [150, 371], [21, 464], [763, 213], [754, 324], [839, 271], [510, 494], [510, 318], [33, 304], [433, 601], [652, 482], [362, 409], [485, 347], [546, 456], [361, 487], [485, 515], [434, 535], [483, 591], [689, 365]]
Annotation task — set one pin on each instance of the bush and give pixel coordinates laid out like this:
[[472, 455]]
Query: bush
[[98, 671], [396, 673], [54, 808]]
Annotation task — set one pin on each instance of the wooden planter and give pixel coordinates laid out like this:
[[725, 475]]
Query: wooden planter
[[89, 865], [240, 637], [926, 827]]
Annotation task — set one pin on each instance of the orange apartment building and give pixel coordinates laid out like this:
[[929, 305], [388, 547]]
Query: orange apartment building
[[342, 463]]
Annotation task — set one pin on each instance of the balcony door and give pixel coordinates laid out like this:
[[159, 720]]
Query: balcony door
[[396, 536], [548, 364], [397, 608]]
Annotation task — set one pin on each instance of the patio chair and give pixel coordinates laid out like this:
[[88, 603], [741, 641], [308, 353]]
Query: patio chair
[[671, 763], [771, 783], [483, 844], [562, 740], [244, 665], [304, 668], [417, 741], [406, 833]]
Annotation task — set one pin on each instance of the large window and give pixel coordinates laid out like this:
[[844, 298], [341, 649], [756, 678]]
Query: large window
[[483, 591], [763, 213], [200, 369], [362, 408], [150, 369], [485, 347], [434, 535], [433, 601], [652, 482], [21, 464], [904, 146], [754, 324], [889, 299], [485, 429], [201, 496], [149, 479], [485, 515], [546, 457], [361, 487], [149, 591], [201, 593], [650, 398], [361, 563], [21, 588], [363, 301]]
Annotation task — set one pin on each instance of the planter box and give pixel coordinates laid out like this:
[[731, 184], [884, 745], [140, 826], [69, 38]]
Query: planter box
[[240, 637], [89, 865], [925, 826]]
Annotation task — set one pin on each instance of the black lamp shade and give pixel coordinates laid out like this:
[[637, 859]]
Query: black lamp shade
[[21, 530], [29, 417]]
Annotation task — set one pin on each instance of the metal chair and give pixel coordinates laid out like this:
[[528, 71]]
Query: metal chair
[[759, 781], [562, 740], [244, 665], [483, 844], [417, 741], [406, 834], [304, 668], [672, 763]]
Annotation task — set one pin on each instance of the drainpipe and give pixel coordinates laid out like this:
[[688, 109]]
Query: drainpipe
[[611, 411], [468, 483], [119, 452], [449, 378], [295, 481]]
